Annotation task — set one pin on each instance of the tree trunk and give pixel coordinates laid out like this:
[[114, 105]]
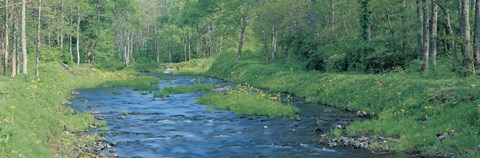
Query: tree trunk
[[450, 35], [420, 29], [61, 27], [190, 47], [24, 37], [365, 31], [274, 43], [392, 31], [433, 35], [78, 39], [5, 57], [477, 34], [465, 30], [242, 36], [185, 49], [313, 17], [37, 52], [209, 45], [264, 43], [15, 46], [426, 40]]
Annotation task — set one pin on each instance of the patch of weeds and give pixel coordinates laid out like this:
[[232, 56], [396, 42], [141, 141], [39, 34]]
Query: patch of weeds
[[184, 89], [246, 102]]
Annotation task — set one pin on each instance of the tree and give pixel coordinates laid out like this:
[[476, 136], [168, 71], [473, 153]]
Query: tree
[[365, 27], [425, 41], [37, 50], [6, 46], [242, 36], [465, 33], [24, 37], [477, 34], [433, 35]]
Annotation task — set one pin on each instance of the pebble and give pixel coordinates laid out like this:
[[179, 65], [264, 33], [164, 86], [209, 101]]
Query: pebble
[[265, 127]]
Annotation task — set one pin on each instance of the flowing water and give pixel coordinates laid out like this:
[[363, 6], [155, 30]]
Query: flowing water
[[143, 126]]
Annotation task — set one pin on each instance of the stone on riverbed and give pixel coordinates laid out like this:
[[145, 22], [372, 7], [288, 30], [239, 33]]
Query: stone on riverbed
[[362, 114], [169, 70]]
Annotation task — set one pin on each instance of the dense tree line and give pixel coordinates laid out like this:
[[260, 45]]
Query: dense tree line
[[327, 35]]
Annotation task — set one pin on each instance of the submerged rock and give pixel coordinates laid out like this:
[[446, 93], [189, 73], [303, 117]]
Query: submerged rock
[[362, 114], [169, 70]]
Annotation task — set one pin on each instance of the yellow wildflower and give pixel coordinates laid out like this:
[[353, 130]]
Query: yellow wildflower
[[33, 81], [7, 119], [12, 107]]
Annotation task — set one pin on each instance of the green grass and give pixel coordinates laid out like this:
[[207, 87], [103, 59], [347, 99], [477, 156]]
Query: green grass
[[244, 101], [33, 111], [192, 67], [184, 89], [406, 106]]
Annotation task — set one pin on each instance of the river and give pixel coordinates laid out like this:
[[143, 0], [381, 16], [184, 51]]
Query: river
[[143, 126]]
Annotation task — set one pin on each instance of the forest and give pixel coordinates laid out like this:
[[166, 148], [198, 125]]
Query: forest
[[409, 67]]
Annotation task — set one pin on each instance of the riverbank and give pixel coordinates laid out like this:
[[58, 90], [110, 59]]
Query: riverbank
[[416, 112], [34, 121]]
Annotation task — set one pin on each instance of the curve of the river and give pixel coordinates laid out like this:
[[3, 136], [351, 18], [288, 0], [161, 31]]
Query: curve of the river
[[176, 126]]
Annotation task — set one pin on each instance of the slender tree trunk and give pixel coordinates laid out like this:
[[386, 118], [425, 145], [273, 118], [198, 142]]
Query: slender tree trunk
[[5, 57], [365, 31], [185, 49], [24, 37], [15, 45], [190, 47], [61, 27], [477, 34], [37, 56], [274, 43], [209, 47], [426, 40], [313, 17], [71, 43], [420, 29], [450, 34], [78, 39], [264, 43], [465, 29], [433, 35], [392, 31], [242, 36]]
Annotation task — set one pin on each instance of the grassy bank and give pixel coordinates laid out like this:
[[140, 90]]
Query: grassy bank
[[247, 101], [184, 89], [34, 116], [409, 109]]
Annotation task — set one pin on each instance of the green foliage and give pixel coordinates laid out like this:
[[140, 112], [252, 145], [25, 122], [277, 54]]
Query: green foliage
[[184, 89], [245, 101]]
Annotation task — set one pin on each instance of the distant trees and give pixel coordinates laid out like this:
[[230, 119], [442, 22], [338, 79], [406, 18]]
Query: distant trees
[[326, 35]]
